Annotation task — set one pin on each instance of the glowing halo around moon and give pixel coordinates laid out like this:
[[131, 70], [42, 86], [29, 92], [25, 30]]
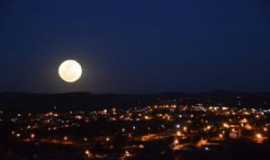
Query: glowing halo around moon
[[70, 71]]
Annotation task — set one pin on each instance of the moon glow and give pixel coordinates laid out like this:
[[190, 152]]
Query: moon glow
[[70, 71]]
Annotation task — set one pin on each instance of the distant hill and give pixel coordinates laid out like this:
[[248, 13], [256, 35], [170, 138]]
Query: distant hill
[[89, 101], [66, 101]]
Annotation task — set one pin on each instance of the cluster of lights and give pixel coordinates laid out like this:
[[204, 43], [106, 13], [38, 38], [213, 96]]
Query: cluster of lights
[[184, 126]]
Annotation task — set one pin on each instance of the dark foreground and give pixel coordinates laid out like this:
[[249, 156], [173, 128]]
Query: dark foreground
[[173, 132]]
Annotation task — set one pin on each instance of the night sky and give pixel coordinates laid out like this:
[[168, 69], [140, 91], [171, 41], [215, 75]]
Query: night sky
[[142, 46]]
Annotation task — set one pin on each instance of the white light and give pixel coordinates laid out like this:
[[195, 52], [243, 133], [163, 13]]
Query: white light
[[70, 71]]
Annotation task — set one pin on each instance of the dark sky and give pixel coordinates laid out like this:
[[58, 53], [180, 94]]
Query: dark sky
[[140, 46]]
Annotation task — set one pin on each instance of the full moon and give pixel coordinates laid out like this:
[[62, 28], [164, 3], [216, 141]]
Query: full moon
[[70, 71]]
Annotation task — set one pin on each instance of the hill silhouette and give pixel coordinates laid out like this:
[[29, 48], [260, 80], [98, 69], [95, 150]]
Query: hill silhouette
[[89, 101]]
